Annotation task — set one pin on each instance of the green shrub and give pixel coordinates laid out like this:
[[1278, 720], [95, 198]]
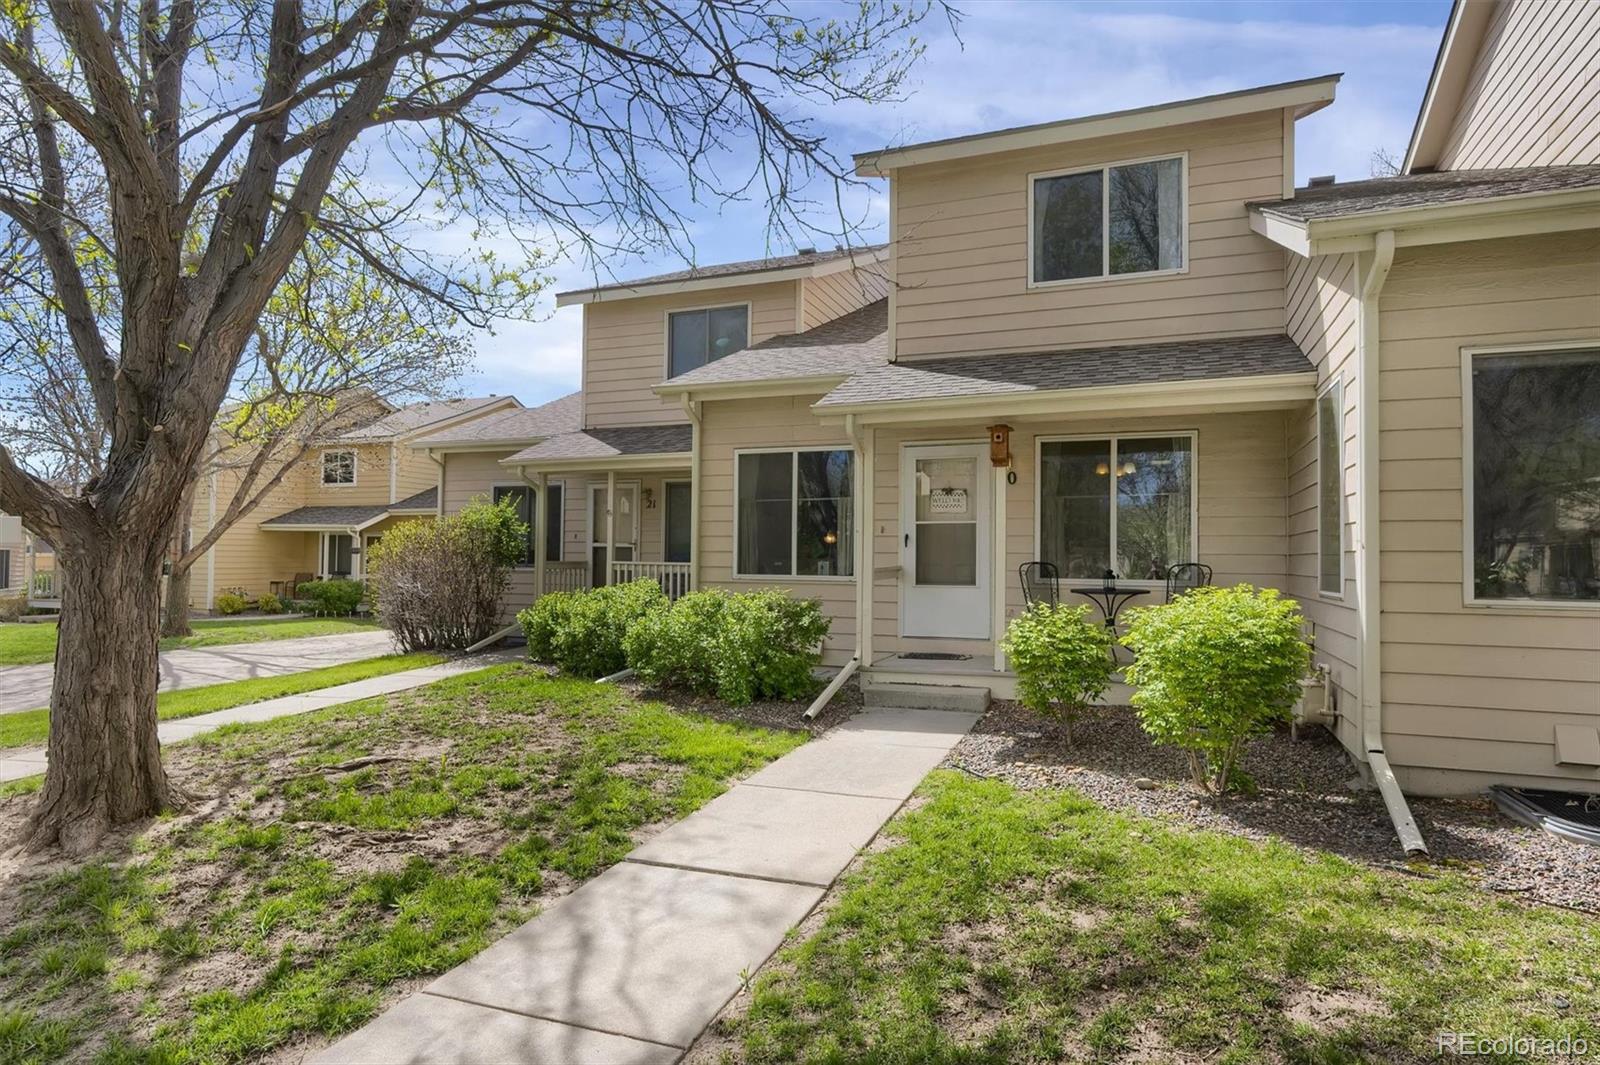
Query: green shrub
[[440, 585], [230, 603], [754, 645], [1215, 667], [332, 596], [583, 631], [1062, 659], [12, 606], [269, 604]]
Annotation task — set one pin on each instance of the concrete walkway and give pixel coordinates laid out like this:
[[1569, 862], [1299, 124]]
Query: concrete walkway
[[30, 761], [633, 965], [28, 687]]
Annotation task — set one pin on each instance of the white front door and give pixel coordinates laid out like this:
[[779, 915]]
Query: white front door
[[944, 566], [627, 529]]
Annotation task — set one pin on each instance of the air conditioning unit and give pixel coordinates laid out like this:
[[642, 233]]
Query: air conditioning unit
[[1316, 705]]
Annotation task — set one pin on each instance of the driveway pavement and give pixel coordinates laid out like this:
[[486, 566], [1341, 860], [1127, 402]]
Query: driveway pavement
[[633, 965], [28, 687]]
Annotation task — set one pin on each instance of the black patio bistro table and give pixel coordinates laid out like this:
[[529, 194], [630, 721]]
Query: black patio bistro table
[[1111, 599]]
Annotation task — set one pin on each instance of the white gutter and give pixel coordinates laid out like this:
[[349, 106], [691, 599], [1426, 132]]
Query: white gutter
[[692, 409], [1368, 549]]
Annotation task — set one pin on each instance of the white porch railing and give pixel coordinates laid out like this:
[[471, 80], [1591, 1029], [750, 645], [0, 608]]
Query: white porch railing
[[565, 577], [45, 587], [672, 576]]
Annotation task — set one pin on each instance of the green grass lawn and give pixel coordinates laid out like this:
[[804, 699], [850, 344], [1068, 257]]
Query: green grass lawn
[[24, 644], [1009, 926], [329, 857], [31, 728]]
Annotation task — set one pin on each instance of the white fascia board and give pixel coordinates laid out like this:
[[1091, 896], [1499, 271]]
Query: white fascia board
[[1452, 68], [1302, 97], [763, 389], [860, 257], [670, 460], [1290, 234], [500, 403], [1506, 216], [1262, 391], [466, 447]]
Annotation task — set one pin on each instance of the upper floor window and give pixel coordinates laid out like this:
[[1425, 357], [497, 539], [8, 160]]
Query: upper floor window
[[1109, 221], [338, 467], [1534, 457], [695, 338]]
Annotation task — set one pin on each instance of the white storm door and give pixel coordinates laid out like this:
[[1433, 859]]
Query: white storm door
[[945, 530], [627, 526]]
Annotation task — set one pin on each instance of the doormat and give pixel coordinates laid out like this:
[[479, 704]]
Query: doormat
[[1562, 813], [934, 656]]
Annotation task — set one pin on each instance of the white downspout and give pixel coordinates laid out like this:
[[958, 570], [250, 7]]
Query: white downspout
[[692, 409], [862, 438], [1368, 547], [438, 503], [394, 472]]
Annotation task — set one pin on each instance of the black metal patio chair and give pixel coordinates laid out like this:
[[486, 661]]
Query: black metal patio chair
[[1187, 576], [1039, 582]]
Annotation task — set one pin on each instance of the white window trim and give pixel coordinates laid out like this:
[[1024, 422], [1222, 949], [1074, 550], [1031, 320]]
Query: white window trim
[[355, 467], [667, 509], [561, 516], [666, 329], [1335, 383], [356, 570], [1193, 436], [794, 524], [1105, 221], [1469, 584]]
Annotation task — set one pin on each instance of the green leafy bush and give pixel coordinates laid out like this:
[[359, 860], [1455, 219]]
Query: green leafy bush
[[12, 606], [1215, 667], [739, 648], [440, 585], [582, 632], [1062, 659], [230, 603], [332, 596], [269, 604]]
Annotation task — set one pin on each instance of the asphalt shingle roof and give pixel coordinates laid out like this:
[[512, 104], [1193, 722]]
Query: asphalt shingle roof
[[615, 442], [427, 499], [998, 375], [846, 345], [518, 425], [414, 416], [1426, 190], [748, 266], [343, 517]]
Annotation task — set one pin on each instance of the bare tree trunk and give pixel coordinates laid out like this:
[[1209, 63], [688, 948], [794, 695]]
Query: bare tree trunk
[[105, 761]]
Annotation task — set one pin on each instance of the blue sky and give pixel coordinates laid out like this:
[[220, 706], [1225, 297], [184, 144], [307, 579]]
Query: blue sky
[[1023, 62]]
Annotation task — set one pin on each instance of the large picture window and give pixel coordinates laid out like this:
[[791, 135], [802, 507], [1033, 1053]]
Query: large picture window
[[1120, 503], [1330, 490], [695, 338], [794, 514], [1535, 475], [1109, 221], [524, 496]]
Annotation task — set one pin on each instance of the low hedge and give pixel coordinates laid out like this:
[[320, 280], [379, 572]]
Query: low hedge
[[230, 603], [583, 632], [754, 645], [332, 596]]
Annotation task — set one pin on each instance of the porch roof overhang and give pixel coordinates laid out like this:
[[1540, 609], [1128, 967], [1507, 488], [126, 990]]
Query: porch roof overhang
[[1238, 373], [624, 447], [327, 519]]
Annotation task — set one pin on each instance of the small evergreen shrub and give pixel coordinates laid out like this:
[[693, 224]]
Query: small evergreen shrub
[[441, 584], [1062, 658], [332, 596], [1215, 667], [269, 604], [230, 603], [582, 632], [754, 645]]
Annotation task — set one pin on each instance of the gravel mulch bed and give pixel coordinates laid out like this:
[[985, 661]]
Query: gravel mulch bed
[[771, 713], [1309, 795]]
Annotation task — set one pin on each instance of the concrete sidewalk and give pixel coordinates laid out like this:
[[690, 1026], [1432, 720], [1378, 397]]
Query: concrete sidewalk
[[633, 965], [28, 687], [30, 761]]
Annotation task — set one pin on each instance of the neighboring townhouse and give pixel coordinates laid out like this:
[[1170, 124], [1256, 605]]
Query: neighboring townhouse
[[334, 503], [27, 563], [1127, 341]]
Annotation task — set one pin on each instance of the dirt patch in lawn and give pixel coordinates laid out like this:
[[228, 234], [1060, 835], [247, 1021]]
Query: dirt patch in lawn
[[327, 864]]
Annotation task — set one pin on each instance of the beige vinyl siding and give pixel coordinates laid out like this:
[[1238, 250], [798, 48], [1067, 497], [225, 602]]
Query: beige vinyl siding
[[1322, 312], [962, 258], [765, 423], [416, 472], [625, 347], [1472, 693], [372, 478], [1533, 97], [17, 572], [1241, 498], [247, 557], [835, 295]]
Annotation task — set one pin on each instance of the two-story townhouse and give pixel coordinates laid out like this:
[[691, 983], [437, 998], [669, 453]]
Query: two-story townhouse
[[333, 503], [1127, 341]]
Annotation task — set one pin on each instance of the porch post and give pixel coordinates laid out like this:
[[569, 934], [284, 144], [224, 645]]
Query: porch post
[[997, 552], [864, 546], [611, 526], [541, 522]]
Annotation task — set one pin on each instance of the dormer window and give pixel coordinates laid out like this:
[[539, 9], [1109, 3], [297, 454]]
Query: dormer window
[[1121, 220], [338, 467], [697, 337]]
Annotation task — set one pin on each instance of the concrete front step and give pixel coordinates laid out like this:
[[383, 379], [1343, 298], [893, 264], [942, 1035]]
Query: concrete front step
[[969, 700]]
